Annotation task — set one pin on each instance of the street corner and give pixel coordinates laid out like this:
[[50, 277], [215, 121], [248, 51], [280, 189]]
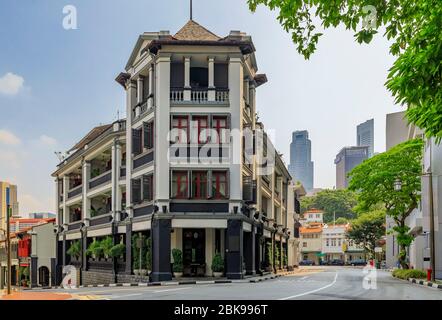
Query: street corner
[[39, 296]]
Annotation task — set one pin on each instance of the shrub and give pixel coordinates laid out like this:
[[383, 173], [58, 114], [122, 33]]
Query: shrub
[[409, 273], [107, 244], [270, 254], [95, 249], [149, 254], [217, 263], [75, 249], [277, 256], [177, 260], [117, 250]]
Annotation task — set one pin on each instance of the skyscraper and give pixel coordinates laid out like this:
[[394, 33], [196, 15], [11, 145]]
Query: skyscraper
[[346, 160], [301, 164], [365, 136], [12, 202]]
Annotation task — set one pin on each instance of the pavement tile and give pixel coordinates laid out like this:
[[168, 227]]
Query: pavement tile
[[36, 296]]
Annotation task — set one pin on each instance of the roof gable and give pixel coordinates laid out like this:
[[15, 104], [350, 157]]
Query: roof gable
[[194, 31]]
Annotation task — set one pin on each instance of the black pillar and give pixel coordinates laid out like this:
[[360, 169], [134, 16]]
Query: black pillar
[[84, 246], [249, 251], [58, 270], [63, 252], [53, 272], [234, 251], [161, 270], [33, 272], [258, 249], [129, 248]]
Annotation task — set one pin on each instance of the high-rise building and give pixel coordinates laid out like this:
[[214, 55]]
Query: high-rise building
[[301, 164], [12, 202], [365, 136], [346, 160]]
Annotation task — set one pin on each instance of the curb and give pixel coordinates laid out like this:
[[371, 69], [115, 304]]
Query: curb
[[426, 283], [174, 283]]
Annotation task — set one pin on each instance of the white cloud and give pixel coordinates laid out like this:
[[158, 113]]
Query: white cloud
[[8, 138], [48, 141], [10, 159], [11, 84]]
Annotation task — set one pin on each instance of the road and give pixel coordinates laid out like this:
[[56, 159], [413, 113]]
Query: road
[[314, 283]]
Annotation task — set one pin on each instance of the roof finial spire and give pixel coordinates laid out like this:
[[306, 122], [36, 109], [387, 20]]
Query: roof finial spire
[[191, 10]]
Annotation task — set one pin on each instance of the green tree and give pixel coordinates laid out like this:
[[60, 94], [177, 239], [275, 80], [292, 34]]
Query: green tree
[[413, 28], [341, 220], [334, 203], [374, 179], [367, 229]]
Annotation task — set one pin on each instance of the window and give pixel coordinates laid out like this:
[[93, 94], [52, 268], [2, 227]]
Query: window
[[181, 124], [180, 184], [200, 128], [136, 191], [304, 244], [136, 141], [318, 215], [327, 243], [310, 216], [147, 187], [220, 125], [199, 185], [148, 135], [219, 184]]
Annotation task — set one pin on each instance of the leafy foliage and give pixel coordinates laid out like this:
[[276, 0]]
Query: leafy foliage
[[270, 255], [277, 256], [177, 260], [117, 251], [374, 180], [95, 249], [217, 263], [340, 202], [149, 253], [75, 249], [107, 244], [412, 26], [367, 229], [409, 273]]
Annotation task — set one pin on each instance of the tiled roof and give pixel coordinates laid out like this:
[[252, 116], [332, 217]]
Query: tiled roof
[[94, 133], [194, 31], [315, 229]]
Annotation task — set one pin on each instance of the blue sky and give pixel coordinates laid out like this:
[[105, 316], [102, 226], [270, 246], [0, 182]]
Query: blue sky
[[56, 84]]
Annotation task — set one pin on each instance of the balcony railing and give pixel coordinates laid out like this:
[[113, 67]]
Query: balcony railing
[[199, 95], [222, 95], [101, 179], [101, 219], [75, 191], [176, 94]]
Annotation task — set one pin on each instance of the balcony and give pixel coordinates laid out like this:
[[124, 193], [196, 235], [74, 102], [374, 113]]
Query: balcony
[[140, 110], [101, 179], [75, 192], [101, 219], [143, 159], [199, 96]]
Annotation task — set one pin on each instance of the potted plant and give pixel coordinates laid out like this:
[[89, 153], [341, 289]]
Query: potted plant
[[269, 257], [149, 255], [217, 265], [75, 250], [107, 244], [95, 250], [277, 257], [117, 251], [177, 263]]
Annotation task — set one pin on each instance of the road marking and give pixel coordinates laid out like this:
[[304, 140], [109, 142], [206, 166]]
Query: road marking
[[313, 291], [159, 291], [126, 295]]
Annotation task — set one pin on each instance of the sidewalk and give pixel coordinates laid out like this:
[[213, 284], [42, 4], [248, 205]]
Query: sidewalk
[[29, 295]]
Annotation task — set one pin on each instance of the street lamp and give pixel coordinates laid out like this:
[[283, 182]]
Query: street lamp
[[397, 185]]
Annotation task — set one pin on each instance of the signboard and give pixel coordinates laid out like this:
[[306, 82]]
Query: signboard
[[378, 249]]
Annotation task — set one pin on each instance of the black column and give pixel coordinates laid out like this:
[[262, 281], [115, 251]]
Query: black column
[[53, 272], [249, 251], [33, 272], [129, 248], [63, 254], [58, 270], [234, 251], [258, 249], [84, 246], [161, 270]]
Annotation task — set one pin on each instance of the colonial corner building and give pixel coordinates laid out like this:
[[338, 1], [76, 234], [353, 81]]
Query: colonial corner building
[[140, 176]]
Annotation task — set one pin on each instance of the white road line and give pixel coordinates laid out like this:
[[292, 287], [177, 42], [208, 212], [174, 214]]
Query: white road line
[[159, 291], [313, 291], [303, 278], [126, 295]]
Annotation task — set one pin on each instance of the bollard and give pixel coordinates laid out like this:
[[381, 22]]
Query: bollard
[[429, 272]]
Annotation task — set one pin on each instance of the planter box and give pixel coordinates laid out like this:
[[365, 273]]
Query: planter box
[[218, 274]]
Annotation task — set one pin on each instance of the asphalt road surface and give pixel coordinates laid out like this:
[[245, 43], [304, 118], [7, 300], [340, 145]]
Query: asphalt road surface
[[314, 283]]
